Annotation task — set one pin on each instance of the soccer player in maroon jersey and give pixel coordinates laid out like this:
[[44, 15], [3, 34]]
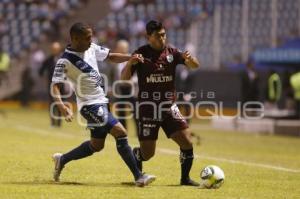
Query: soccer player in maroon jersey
[[156, 101]]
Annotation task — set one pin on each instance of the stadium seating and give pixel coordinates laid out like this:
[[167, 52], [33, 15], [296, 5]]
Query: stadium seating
[[259, 27], [25, 22], [174, 14], [179, 14]]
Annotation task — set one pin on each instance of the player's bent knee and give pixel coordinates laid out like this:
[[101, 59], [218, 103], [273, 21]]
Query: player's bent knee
[[188, 142], [97, 146], [183, 139], [118, 131], [148, 155], [117, 134]]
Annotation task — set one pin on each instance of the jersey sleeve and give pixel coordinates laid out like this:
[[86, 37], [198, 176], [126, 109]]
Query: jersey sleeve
[[178, 56], [59, 75], [101, 52]]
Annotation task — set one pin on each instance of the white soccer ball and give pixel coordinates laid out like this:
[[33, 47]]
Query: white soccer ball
[[212, 177]]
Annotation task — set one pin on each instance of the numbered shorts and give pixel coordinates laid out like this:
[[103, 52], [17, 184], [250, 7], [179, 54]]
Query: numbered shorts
[[99, 119], [171, 121]]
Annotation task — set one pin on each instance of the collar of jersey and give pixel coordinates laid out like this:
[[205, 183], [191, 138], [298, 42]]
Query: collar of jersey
[[68, 50]]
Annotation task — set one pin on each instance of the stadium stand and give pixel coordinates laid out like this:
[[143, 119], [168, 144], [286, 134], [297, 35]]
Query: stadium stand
[[178, 15], [25, 21], [129, 23], [259, 27], [230, 29]]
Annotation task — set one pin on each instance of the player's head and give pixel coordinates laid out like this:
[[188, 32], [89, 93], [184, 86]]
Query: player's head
[[156, 34], [122, 46], [55, 48], [81, 36]]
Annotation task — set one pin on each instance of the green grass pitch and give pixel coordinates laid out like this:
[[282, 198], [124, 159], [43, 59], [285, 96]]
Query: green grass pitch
[[255, 166]]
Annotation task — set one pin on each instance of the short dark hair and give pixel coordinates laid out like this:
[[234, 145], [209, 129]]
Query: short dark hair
[[153, 26], [78, 28]]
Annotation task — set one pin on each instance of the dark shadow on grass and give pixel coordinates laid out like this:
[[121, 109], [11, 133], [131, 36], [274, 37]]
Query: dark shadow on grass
[[177, 185], [172, 185], [66, 183]]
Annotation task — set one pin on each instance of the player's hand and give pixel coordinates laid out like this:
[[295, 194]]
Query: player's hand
[[135, 58], [187, 55], [190, 61], [67, 113]]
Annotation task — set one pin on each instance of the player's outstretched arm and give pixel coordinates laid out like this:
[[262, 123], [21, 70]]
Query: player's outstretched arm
[[127, 72], [65, 110], [118, 57], [190, 61]]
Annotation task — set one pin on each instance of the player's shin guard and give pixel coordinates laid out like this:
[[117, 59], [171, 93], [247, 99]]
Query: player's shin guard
[[127, 155], [82, 151], [186, 161]]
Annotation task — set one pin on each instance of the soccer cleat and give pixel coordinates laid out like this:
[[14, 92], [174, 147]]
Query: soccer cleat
[[57, 166], [189, 182], [137, 157], [144, 180]]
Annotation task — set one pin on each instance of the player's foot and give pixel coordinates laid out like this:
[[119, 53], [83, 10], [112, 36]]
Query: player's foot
[[144, 180], [58, 167], [189, 182], [137, 156]]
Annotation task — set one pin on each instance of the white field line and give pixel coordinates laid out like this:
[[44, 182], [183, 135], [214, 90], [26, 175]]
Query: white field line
[[40, 131], [266, 166], [161, 150]]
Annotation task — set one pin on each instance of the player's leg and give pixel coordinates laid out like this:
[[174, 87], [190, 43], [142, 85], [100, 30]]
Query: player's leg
[[147, 135], [123, 148], [176, 128], [183, 139], [145, 152], [85, 149]]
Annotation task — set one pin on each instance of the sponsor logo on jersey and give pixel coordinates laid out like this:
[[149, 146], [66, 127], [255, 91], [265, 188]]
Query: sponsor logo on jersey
[[146, 131], [149, 125], [159, 78]]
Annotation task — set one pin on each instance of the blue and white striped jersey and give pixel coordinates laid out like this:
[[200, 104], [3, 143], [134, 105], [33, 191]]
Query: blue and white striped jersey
[[81, 69]]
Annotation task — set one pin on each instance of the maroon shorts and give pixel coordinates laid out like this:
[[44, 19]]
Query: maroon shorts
[[150, 121]]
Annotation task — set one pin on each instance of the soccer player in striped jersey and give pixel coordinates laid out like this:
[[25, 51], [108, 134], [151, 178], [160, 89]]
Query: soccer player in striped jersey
[[79, 65]]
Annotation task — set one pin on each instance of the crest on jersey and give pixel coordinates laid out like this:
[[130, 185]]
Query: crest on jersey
[[170, 58]]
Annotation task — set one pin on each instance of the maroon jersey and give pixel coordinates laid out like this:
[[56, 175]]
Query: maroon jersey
[[156, 76]]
